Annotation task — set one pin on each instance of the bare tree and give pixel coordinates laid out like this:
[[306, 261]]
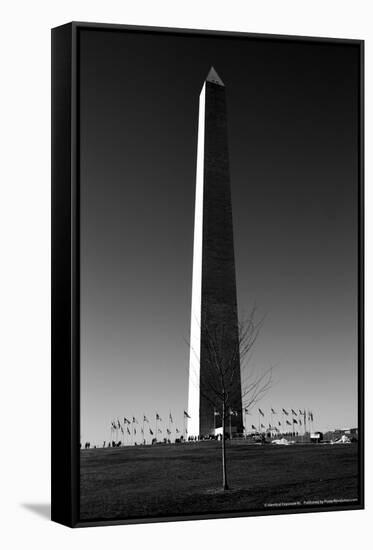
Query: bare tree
[[226, 353]]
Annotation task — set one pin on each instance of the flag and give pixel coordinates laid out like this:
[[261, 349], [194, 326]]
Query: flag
[[261, 412], [151, 431], [295, 422], [171, 419], [288, 423], [157, 417], [273, 411], [253, 427], [128, 431], [168, 431], [186, 415], [285, 412], [293, 412], [145, 419]]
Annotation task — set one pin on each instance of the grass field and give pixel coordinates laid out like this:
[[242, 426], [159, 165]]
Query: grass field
[[133, 482]]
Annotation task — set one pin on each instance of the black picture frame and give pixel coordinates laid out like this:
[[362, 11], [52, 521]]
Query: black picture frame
[[66, 274]]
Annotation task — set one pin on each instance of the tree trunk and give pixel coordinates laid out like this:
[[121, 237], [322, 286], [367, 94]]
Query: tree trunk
[[224, 462]]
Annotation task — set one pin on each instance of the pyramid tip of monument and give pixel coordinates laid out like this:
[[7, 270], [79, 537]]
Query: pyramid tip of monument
[[214, 77]]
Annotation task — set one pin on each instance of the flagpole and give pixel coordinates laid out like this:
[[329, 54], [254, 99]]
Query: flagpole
[[309, 422], [303, 426], [271, 423]]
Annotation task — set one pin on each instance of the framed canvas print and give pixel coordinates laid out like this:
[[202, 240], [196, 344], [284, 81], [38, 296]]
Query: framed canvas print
[[207, 274]]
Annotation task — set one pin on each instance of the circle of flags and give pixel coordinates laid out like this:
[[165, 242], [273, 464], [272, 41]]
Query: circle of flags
[[145, 431]]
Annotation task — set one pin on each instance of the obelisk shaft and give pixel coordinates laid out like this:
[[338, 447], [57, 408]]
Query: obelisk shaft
[[214, 260]]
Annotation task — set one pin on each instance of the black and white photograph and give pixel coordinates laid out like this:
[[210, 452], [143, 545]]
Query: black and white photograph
[[186, 254], [218, 233]]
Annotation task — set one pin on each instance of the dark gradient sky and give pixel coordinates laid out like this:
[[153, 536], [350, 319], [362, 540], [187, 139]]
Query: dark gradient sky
[[293, 131]]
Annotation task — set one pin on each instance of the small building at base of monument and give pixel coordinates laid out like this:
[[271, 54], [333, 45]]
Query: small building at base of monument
[[316, 437], [218, 432]]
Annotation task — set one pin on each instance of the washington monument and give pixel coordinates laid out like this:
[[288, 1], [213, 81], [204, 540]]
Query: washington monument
[[214, 296]]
